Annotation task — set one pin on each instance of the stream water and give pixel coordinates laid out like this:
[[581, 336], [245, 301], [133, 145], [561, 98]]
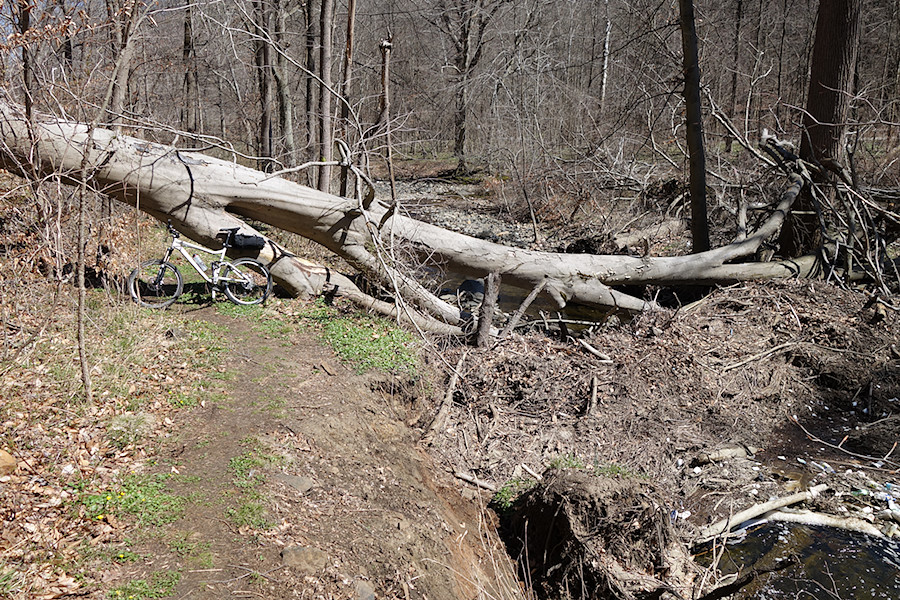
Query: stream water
[[832, 564]]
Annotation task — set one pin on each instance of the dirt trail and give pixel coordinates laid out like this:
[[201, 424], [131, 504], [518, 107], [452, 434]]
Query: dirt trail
[[303, 482]]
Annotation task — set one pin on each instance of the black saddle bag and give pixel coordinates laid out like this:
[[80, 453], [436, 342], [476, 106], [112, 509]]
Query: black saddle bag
[[248, 242]]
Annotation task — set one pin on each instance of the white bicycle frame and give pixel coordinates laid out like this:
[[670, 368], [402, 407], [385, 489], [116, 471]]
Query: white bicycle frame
[[216, 267]]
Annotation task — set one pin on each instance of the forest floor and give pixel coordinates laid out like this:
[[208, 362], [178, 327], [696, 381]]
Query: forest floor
[[233, 454]]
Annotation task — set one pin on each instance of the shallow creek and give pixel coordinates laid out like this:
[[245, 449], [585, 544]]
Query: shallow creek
[[832, 564]]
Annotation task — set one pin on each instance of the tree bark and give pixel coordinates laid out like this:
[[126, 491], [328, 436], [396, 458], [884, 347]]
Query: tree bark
[[310, 107], [736, 57], [23, 24], [190, 112], [345, 89], [282, 89], [692, 101], [125, 16], [202, 195], [263, 59], [827, 108], [326, 135], [831, 80]]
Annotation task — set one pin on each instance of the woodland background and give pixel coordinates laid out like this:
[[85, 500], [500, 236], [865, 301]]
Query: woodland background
[[566, 98]]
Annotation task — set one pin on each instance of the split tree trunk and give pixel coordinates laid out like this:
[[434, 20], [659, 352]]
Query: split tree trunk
[[202, 195]]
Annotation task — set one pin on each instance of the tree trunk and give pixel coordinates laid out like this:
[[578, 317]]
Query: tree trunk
[[827, 108], [831, 80], [190, 112], [345, 89], [23, 24], [202, 195], [125, 18], [310, 107], [699, 224], [736, 57], [326, 135], [604, 76], [282, 89], [263, 57]]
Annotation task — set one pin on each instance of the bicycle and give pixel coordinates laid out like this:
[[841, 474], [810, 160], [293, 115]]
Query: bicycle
[[157, 283]]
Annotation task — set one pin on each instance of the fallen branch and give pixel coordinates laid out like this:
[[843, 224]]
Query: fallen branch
[[808, 517], [475, 481], [604, 358], [728, 589], [723, 454], [725, 525]]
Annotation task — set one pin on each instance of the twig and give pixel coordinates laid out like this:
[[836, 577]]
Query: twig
[[517, 316], [592, 404], [765, 354], [475, 481], [604, 359], [528, 470], [441, 416], [819, 440], [247, 574]]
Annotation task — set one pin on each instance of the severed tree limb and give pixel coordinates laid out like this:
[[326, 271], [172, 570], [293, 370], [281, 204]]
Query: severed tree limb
[[517, 316]]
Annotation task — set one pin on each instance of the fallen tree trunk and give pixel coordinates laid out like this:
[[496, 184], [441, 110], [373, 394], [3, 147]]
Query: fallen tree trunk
[[202, 194]]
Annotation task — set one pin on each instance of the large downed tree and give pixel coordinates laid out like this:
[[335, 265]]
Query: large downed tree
[[201, 194]]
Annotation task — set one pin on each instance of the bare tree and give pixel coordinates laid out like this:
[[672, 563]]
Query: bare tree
[[465, 23]]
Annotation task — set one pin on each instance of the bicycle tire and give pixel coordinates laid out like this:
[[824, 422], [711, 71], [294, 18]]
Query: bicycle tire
[[255, 284], [155, 284]]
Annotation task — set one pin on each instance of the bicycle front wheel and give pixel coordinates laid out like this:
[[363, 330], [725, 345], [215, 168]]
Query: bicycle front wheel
[[247, 281], [155, 284]]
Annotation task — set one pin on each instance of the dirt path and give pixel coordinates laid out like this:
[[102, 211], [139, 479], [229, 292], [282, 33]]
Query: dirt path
[[303, 482]]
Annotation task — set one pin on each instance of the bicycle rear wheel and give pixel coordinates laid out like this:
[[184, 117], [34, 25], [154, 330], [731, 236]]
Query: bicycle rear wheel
[[247, 281], [155, 284]]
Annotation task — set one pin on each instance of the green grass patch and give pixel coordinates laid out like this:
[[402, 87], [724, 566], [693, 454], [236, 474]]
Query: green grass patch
[[124, 556], [197, 551], [249, 514], [208, 344], [567, 461], [364, 342], [160, 585], [507, 495], [142, 496], [614, 470], [10, 581], [246, 468]]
